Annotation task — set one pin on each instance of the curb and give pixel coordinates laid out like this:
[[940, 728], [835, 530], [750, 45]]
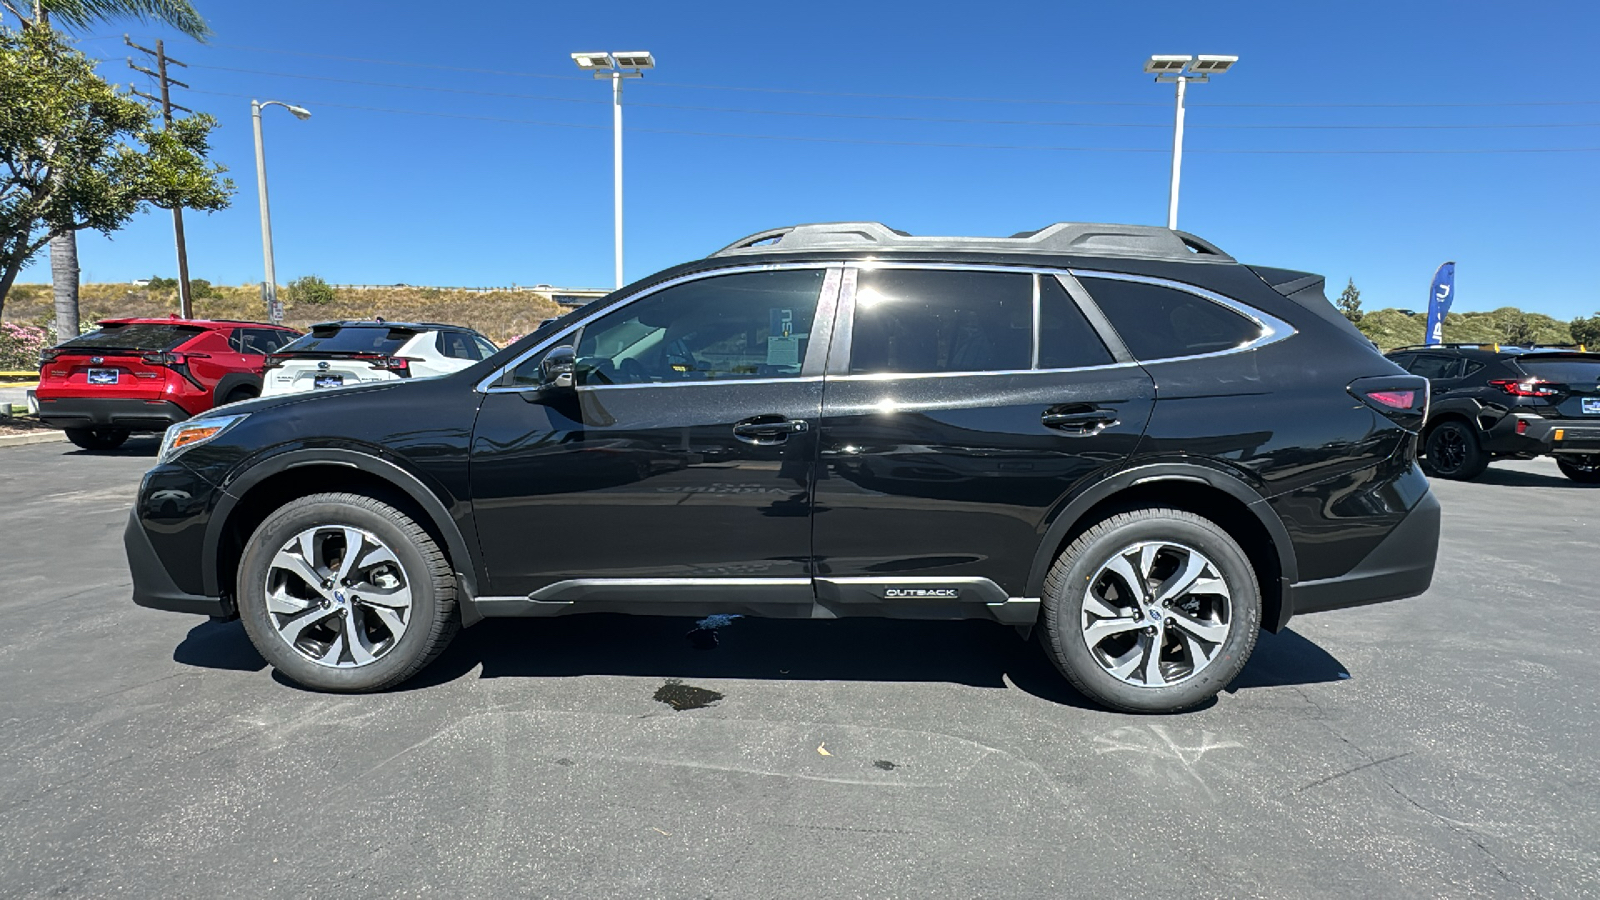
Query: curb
[[42, 437]]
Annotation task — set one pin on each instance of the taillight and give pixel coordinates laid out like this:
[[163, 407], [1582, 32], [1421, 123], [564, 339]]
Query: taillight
[[47, 357], [1402, 398], [275, 362], [1394, 399], [163, 359], [1532, 387], [399, 365]]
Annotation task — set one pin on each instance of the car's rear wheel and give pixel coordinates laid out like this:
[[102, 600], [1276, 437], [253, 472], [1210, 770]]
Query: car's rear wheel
[[239, 394], [97, 438], [1452, 451], [1584, 469], [1153, 610], [342, 592]]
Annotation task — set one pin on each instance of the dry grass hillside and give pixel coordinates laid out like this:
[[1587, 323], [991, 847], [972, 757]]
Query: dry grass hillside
[[499, 316]]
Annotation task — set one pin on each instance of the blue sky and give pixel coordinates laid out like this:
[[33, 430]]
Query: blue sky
[[507, 179]]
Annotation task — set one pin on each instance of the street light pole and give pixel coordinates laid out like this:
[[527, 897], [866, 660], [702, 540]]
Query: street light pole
[[1181, 70], [1177, 158], [270, 292], [616, 66], [616, 167]]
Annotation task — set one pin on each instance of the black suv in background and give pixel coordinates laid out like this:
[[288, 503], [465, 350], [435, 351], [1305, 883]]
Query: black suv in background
[[1117, 434], [1492, 401]]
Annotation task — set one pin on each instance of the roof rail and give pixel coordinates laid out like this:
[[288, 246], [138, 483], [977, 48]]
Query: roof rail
[[1451, 345], [1067, 238]]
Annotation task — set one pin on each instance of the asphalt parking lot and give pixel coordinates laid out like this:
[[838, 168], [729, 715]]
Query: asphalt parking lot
[[1440, 746]]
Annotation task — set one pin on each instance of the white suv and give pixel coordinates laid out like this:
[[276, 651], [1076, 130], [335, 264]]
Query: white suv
[[337, 354]]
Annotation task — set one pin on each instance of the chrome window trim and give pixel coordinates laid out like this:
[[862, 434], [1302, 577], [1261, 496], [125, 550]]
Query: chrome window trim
[[1033, 361], [1273, 329], [486, 385], [901, 376], [798, 379]]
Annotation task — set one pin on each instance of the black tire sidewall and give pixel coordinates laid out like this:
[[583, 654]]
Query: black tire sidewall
[[276, 531], [97, 438], [1064, 610], [1580, 476]]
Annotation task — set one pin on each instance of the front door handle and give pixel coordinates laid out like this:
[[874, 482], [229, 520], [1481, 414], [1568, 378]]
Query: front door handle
[[1079, 421], [768, 429]]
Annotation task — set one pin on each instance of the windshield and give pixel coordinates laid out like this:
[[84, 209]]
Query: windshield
[[377, 339], [141, 336], [1563, 371]]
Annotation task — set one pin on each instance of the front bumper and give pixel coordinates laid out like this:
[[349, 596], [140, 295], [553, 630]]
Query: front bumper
[[153, 586], [106, 412], [1400, 566]]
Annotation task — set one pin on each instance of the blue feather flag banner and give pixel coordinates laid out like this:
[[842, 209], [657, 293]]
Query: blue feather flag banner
[[1440, 294]]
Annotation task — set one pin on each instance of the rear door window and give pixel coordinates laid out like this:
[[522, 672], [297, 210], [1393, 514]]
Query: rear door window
[[929, 321], [375, 339], [142, 336], [1158, 322]]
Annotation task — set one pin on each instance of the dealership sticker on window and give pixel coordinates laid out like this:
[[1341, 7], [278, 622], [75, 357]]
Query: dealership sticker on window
[[783, 350]]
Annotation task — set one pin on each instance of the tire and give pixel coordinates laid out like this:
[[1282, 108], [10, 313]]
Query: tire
[[1584, 469], [1099, 634], [301, 627], [1452, 451], [97, 438], [239, 394]]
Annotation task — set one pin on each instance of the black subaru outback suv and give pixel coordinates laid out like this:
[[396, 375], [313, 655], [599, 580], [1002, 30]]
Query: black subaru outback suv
[[1492, 401], [1117, 435]]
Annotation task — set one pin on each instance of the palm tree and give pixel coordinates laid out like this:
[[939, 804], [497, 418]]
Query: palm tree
[[179, 15]]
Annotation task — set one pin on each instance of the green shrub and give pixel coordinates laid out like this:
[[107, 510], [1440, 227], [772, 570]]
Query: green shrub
[[201, 289], [309, 290], [157, 283]]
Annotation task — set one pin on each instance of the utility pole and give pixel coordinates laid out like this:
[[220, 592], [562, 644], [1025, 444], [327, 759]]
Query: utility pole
[[185, 302]]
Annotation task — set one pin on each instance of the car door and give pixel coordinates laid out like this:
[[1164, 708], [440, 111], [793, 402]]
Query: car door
[[961, 405], [683, 454]]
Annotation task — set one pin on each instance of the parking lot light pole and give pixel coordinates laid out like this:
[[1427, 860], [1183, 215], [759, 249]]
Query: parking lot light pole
[[616, 66], [261, 186], [1181, 70]]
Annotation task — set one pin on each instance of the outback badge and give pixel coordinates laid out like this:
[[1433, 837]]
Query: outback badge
[[907, 593]]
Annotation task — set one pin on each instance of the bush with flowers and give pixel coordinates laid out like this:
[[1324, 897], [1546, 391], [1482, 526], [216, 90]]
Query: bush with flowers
[[20, 346]]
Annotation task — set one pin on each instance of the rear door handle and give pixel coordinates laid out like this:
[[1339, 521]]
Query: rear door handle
[[768, 429], [1079, 422]]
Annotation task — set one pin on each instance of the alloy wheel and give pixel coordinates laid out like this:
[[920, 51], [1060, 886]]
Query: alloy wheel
[[1448, 448], [338, 596], [1156, 613]]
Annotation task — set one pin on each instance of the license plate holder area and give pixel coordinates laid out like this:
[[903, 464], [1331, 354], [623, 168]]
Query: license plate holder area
[[327, 381], [103, 376]]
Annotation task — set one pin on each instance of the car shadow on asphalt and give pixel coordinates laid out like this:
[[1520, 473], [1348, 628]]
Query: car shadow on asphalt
[[135, 447], [974, 653], [1517, 478]]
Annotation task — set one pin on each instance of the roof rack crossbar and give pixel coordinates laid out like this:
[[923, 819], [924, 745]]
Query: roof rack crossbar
[[1065, 238]]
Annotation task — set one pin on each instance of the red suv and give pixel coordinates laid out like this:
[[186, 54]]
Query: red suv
[[145, 374]]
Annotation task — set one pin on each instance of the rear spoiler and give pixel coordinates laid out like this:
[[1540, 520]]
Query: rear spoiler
[[1307, 290]]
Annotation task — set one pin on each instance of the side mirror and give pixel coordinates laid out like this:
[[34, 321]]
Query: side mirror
[[556, 369]]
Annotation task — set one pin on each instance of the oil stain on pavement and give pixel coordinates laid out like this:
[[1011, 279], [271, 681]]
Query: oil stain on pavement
[[682, 696]]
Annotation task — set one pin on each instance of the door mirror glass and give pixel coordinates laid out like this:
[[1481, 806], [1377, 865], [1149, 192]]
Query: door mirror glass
[[556, 369]]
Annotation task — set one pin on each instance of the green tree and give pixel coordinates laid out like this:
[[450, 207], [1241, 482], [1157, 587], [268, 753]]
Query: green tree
[[1586, 331], [310, 290], [78, 154], [36, 15], [1349, 301]]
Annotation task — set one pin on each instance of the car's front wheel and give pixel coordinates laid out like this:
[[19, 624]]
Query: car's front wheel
[[1153, 610], [1451, 450], [1583, 469], [342, 592], [98, 438]]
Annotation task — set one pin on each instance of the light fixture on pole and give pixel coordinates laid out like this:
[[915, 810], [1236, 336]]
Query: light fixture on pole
[[1182, 70], [274, 311], [616, 66]]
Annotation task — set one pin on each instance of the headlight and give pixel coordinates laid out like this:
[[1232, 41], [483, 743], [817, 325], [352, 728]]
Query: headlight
[[193, 433]]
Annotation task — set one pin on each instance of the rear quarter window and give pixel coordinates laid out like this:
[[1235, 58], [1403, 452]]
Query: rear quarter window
[[1158, 322]]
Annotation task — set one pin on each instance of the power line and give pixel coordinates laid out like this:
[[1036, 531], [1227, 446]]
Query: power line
[[895, 118], [947, 99], [941, 144]]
